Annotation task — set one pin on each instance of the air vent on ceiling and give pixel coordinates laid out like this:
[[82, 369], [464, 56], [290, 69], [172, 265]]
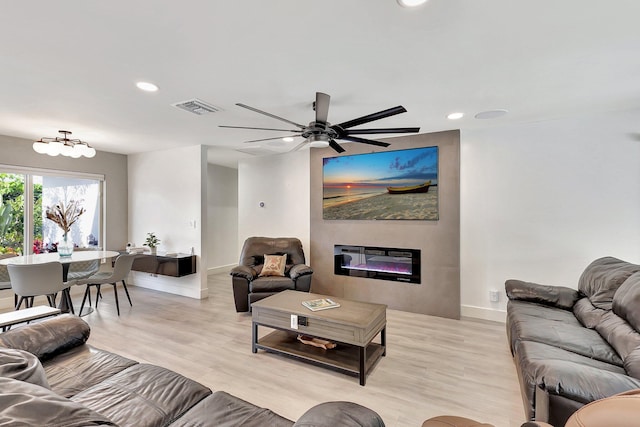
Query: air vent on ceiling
[[197, 106]]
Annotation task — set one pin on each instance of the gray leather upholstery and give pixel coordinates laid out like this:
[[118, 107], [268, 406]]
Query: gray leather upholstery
[[249, 287], [90, 387], [574, 347]]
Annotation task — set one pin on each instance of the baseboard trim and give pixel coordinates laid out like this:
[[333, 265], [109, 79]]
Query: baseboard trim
[[483, 313], [220, 269]]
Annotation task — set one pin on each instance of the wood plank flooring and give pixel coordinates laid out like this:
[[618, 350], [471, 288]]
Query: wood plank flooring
[[434, 366]]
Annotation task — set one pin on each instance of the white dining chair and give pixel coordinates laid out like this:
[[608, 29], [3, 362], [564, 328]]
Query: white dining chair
[[5, 282], [31, 280], [82, 269], [120, 272]]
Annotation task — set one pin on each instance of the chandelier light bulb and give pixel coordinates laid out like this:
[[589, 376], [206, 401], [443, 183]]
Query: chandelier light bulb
[[55, 148], [40, 147], [90, 152]]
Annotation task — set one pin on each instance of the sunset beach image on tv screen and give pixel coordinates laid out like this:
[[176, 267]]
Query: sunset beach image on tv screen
[[400, 184]]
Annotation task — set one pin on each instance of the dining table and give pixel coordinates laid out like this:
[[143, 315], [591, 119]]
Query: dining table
[[66, 261]]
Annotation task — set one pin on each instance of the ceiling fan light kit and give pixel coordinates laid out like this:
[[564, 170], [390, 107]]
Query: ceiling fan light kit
[[320, 133], [64, 146]]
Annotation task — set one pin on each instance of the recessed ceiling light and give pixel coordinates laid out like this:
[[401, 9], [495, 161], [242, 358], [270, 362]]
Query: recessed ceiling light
[[287, 139], [147, 87], [455, 116], [491, 114], [411, 3]]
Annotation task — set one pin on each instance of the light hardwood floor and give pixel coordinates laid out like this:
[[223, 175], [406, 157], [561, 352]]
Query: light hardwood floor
[[433, 366]]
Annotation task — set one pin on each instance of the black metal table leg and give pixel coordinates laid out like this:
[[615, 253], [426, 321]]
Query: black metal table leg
[[383, 341], [254, 337], [363, 358]]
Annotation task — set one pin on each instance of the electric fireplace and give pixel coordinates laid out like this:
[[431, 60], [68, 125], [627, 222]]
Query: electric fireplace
[[396, 264]]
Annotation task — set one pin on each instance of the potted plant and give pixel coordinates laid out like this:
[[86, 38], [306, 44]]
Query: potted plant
[[152, 241]]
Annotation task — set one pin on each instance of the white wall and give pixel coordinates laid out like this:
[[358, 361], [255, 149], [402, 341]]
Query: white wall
[[167, 196], [222, 217], [541, 201], [282, 183]]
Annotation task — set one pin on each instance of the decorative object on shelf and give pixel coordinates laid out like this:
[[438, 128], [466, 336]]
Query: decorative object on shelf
[[64, 146], [65, 217], [152, 241], [316, 342]]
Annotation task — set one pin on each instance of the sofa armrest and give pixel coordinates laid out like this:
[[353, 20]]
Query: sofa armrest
[[299, 270], [344, 414], [535, 424], [244, 271], [48, 338], [556, 296]]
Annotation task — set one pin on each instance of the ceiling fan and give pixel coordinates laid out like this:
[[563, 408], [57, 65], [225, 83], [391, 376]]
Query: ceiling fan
[[321, 133]]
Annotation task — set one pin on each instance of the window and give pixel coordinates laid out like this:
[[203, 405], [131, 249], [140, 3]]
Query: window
[[25, 196]]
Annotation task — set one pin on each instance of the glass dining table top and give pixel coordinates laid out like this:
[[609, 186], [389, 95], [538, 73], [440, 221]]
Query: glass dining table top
[[77, 256]]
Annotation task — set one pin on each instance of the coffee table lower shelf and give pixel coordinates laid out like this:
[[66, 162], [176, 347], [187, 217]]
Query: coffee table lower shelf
[[344, 358]]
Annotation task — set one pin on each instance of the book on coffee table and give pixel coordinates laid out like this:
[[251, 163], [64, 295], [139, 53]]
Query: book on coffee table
[[320, 304]]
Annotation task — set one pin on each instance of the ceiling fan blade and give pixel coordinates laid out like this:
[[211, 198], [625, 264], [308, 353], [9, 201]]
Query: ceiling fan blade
[[322, 107], [385, 130], [271, 139], [333, 144], [366, 141], [247, 127], [273, 116], [299, 146], [375, 116]]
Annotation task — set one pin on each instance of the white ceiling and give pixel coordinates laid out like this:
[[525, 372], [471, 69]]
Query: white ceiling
[[72, 64]]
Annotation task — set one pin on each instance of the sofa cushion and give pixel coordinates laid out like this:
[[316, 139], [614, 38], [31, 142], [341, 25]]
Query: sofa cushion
[[587, 313], [632, 363], [626, 301], [532, 358], [22, 365], [618, 333], [224, 410], [48, 338], [520, 313], [254, 248], [274, 265], [271, 284], [26, 404], [143, 395], [83, 367], [602, 278], [558, 328], [343, 414]]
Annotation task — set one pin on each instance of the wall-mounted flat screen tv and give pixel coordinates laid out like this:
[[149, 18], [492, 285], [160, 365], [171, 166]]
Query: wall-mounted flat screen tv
[[386, 185]]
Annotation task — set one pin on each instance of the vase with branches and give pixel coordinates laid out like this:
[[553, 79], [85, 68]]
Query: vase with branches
[[65, 216]]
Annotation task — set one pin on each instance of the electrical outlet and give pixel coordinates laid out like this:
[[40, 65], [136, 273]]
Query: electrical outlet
[[294, 321], [494, 296]]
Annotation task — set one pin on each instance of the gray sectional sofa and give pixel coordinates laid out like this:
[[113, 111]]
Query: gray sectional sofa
[[50, 376], [572, 347]]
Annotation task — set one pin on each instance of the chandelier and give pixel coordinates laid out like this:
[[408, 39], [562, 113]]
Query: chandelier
[[64, 146]]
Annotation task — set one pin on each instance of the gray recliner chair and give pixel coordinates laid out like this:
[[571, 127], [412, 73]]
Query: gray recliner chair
[[249, 286]]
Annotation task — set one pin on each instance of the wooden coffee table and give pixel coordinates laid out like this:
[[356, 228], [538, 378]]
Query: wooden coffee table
[[352, 326]]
